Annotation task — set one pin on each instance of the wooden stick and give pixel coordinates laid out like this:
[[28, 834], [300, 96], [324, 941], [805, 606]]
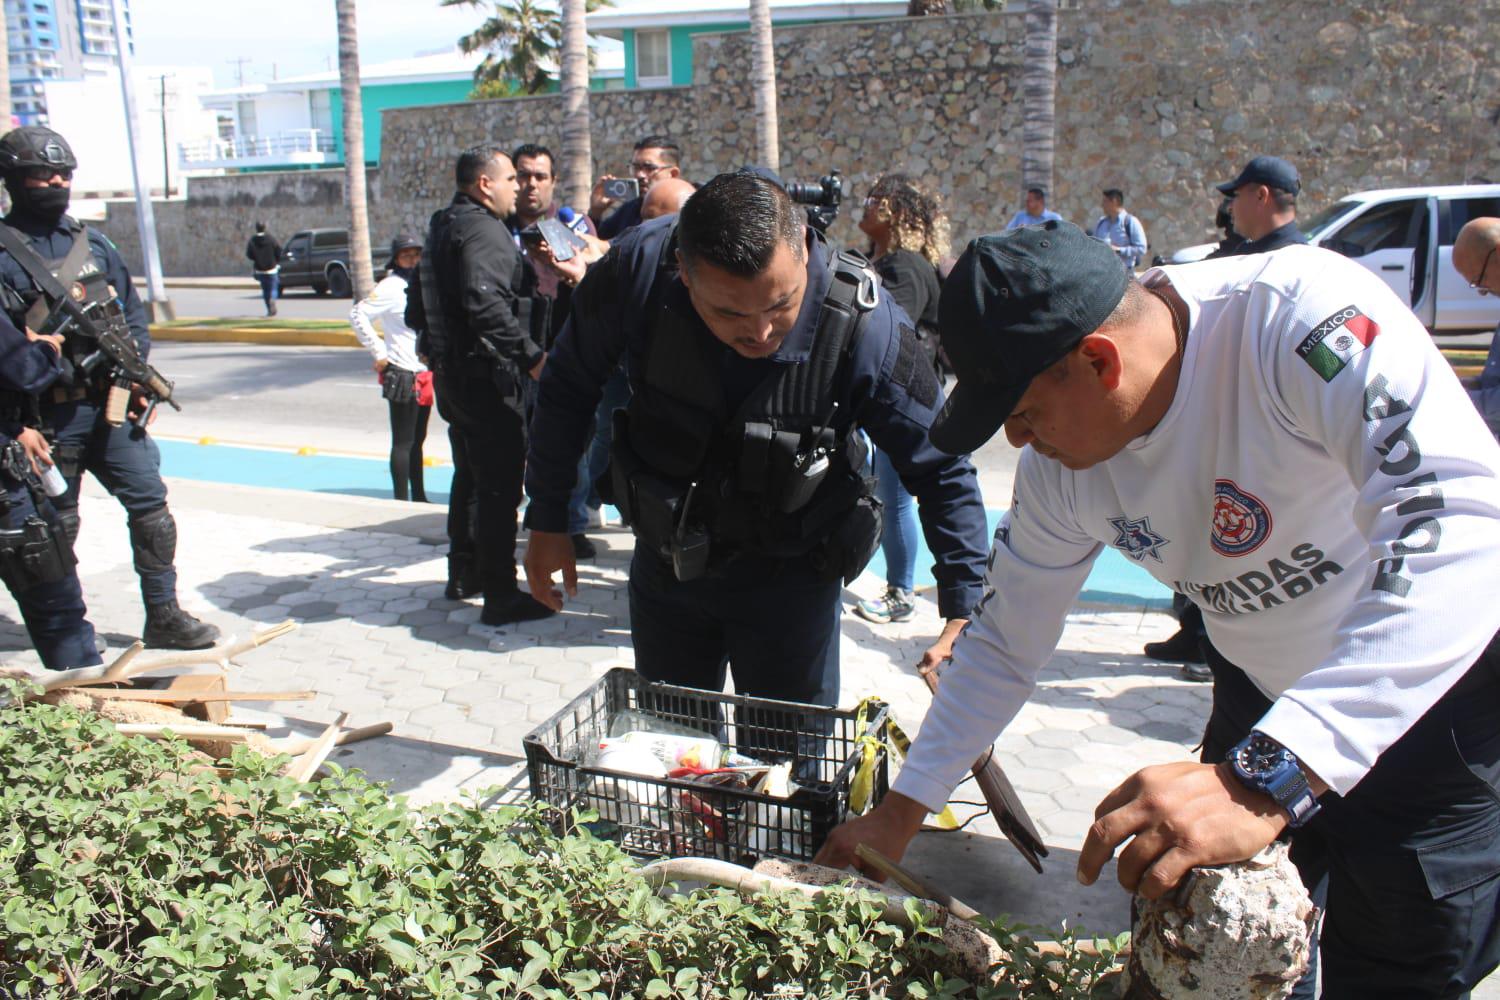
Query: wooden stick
[[257, 724], [296, 747], [914, 883], [174, 697], [306, 766], [200, 731]]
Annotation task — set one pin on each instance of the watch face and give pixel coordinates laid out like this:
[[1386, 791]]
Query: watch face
[[1260, 754]]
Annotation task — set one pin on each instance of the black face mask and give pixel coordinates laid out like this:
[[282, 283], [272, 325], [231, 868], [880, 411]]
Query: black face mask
[[45, 204], [406, 273]]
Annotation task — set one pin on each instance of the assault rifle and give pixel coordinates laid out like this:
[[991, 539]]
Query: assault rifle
[[108, 345]]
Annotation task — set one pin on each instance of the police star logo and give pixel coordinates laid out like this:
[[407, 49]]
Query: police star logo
[[1134, 537], [1241, 521]]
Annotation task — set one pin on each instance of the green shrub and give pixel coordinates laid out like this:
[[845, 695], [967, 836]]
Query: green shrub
[[127, 871]]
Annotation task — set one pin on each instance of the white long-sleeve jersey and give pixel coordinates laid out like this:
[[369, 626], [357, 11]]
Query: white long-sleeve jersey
[[1320, 486], [386, 308]]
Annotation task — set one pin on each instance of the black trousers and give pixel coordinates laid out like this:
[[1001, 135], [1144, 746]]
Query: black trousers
[[1407, 865], [408, 432], [487, 427]]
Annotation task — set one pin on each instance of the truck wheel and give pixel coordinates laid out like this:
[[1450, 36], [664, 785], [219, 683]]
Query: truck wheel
[[339, 284]]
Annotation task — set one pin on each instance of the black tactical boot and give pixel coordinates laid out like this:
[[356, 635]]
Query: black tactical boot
[[463, 579], [170, 627], [513, 606], [1182, 647]]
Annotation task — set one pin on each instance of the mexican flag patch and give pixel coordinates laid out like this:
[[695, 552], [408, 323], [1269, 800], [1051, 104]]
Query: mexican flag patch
[[1335, 342]]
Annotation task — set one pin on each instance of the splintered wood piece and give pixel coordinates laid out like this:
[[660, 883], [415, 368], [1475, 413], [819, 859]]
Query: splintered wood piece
[[914, 883], [305, 766], [295, 747], [192, 731], [195, 684], [171, 697], [257, 724]]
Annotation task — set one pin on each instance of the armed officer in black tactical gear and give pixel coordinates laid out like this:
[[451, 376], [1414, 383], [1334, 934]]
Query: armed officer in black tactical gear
[[36, 560], [41, 247], [475, 304], [756, 354]]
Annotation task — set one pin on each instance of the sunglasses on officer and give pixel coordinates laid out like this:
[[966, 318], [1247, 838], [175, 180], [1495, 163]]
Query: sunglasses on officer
[[47, 173]]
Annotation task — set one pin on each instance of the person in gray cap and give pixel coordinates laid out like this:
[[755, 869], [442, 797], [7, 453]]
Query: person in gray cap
[[1263, 204], [405, 381], [1277, 438]]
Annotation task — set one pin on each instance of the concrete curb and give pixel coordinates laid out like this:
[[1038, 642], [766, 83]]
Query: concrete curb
[[250, 335]]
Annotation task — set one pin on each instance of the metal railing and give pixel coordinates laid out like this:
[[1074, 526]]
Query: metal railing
[[259, 147]]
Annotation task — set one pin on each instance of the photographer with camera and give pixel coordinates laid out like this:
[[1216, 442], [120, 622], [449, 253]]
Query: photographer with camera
[[756, 351], [46, 259], [655, 159], [36, 560]]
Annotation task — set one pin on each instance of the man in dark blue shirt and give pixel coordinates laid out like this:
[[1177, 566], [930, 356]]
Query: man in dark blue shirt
[[37, 165], [757, 358]]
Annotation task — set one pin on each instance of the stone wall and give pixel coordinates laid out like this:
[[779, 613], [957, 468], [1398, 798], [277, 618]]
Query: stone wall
[[1161, 100]]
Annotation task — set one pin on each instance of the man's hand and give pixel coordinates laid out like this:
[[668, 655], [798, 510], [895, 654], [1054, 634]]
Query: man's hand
[[546, 553], [536, 369], [569, 272], [1180, 816], [598, 200], [888, 828], [139, 401], [943, 648], [55, 339], [37, 448], [381, 364]]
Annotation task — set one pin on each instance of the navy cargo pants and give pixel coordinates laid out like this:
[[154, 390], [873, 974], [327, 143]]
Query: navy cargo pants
[[125, 461], [54, 612], [1407, 865]]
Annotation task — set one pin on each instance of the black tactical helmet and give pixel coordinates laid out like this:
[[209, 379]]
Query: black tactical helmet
[[35, 146]]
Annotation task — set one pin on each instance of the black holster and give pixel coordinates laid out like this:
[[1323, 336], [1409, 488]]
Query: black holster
[[34, 554], [656, 508]]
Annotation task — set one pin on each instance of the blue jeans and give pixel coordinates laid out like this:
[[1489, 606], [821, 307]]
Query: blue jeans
[[125, 461], [270, 286], [898, 539], [54, 613], [596, 457]]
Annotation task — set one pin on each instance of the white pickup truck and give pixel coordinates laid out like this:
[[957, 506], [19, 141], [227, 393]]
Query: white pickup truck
[[1405, 235]]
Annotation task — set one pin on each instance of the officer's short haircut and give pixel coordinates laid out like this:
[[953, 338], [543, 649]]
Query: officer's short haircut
[[1039, 192], [735, 222], [531, 150], [671, 152], [1283, 200], [1115, 194], [474, 161]]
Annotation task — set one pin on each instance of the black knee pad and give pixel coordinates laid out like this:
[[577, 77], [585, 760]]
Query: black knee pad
[[153, 540]]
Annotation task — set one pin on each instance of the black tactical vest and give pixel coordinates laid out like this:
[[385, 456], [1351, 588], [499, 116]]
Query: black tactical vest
[[785, 475]]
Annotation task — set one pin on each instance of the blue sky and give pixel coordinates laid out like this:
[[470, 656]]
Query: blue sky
[[293, 36]]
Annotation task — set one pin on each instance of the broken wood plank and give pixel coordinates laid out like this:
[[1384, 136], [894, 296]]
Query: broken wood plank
[[296, 747], [305, 766], [186, 732], [171, 696]]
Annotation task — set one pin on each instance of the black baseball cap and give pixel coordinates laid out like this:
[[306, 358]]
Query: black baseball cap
[[402, 241], [1014, 305], [1272, 171]]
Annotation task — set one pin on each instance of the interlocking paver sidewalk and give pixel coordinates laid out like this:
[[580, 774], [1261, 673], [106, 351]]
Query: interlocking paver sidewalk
[[364, 579]]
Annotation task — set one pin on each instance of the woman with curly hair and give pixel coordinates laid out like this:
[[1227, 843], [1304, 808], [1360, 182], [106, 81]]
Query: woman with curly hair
[[908, 235]]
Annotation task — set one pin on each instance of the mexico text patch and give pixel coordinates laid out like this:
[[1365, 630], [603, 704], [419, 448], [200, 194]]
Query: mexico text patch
[[1334, 342]]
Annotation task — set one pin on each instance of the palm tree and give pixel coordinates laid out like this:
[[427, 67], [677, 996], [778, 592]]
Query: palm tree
[[577, 151], [1038, 94], [354, 149], [763, 78], [519, 39]]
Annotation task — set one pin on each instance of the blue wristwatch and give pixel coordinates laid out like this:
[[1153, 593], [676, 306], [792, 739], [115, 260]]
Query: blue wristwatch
[[1267, 766]]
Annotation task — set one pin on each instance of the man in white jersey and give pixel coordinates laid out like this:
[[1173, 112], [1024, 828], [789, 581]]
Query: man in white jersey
[[1277, 438]]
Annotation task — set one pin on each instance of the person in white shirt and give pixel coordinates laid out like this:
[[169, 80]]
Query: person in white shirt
[[405, 381], [1277, 438]]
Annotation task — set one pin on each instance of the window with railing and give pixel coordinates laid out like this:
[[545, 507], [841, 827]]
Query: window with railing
[[285, 146]]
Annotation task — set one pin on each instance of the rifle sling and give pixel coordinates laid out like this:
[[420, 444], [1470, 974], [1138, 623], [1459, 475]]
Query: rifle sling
[[53, 286]]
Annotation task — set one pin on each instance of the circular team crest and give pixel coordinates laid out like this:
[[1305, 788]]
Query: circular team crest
[[1241, 522]]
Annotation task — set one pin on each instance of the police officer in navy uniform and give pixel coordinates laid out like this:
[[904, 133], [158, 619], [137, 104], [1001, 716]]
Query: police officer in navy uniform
[[757, 354], [36, 561], [37, 165]]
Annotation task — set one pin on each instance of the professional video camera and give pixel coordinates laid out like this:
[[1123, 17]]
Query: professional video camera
[[822, 198]]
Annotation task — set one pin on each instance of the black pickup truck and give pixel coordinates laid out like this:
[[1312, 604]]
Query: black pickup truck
[[318, 258]]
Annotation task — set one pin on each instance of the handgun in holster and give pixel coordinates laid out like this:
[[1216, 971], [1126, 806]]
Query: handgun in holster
[[33, 554]]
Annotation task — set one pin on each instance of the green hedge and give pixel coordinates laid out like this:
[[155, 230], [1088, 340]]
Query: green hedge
[[125, 873]]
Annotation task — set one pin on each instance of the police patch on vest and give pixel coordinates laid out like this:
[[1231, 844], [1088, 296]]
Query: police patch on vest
[[1337, 340], [1241, 521], [1135, 538]]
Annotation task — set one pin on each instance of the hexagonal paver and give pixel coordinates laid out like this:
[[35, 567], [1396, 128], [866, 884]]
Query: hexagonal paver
[[1110, 734], [422, 616], [1054, 738], [529, 691]]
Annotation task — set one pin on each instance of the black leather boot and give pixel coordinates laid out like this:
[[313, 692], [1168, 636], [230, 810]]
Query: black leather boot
[[1182, 647], [170, 627], [463, 579]]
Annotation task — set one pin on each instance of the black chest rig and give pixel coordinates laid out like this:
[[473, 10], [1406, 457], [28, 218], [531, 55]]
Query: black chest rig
[[786, 475], [79, 275]]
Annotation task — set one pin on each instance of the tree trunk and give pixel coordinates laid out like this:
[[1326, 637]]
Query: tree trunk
[[354, 150], [763, 79], [577, 149], [1038, 94]]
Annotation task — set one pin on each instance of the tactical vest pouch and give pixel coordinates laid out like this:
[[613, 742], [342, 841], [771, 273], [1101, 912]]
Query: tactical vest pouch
[[69, 459], [654, 507], [773, 466], [33, 554], [849, 548]]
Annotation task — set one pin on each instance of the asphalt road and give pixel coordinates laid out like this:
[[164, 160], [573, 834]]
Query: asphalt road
[[299, 303]]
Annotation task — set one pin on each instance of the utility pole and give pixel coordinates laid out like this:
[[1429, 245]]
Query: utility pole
[[239, 69], [166, 164], [157, 304]]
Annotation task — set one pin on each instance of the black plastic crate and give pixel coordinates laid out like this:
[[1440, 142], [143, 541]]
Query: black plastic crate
[[679, 817]]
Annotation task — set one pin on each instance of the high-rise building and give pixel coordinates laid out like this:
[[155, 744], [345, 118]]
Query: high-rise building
[[57, 40]]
